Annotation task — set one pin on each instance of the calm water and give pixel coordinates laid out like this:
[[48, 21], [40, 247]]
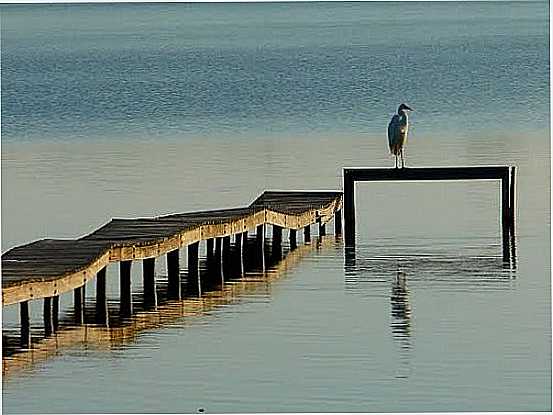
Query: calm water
[[138, 110]]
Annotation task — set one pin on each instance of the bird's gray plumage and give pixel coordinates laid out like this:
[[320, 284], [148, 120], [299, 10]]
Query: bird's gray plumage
[[397, 132]]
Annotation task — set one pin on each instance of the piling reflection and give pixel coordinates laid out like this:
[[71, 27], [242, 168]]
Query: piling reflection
[[401, 321], [401, 311], [369, 270], [451, 269], [198, 301]]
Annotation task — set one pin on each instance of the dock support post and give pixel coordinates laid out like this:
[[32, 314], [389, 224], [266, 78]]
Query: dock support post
[[307, 234], [260, 242], [173, 275], [245, 253], [25, 323], [149, 278], [276, 249], [55, 312], [260, 234], [125, 290], [277, 235], [512, 200], [239, 246], [218, 259], [48, 323], [78, 304], [349, 209], [209, 243], [505, 215], [225, 259], [293, 241], [338, 222], [193, 282], [101, 298], [322, 227]]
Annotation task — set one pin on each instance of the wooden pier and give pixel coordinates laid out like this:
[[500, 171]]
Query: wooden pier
[[48, 268], [181, 312], [506, 175]]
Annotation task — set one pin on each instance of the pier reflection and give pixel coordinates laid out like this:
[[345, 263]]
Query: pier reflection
[[443, 268], [124, 330], [400, 323], [401, 310], [393, 272]]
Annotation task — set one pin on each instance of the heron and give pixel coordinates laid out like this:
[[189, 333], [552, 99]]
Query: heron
[[397, 133]]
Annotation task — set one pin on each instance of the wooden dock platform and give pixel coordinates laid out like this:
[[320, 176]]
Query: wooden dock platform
[[46, 268], [506, 175], [181, 312]]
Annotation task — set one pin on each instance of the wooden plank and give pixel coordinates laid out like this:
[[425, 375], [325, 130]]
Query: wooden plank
[[427, 173]]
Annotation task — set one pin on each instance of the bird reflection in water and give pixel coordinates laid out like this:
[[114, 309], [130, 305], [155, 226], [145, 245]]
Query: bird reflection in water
[[401, 321]]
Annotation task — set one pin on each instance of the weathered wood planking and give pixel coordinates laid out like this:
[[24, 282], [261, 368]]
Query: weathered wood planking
[[51, 267]]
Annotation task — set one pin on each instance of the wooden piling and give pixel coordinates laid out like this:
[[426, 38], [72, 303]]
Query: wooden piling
[[173, 275], [125, 289], [338, 222], [307, 234], [47, 314], [218, 257], [55, 312], [101, 298], [292, 237], [149, 282], [260, 234], [277, 235], [239, 249], [79, 304], [225, 260], [260, 243], [193, 282], [245, 252], [512, 200], [276, 248], [349, 209], [217, 273], [25, 324], [209, 244], [505, 216], [322, 227]]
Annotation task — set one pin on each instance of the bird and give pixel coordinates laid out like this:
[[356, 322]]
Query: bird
[[397, 132]]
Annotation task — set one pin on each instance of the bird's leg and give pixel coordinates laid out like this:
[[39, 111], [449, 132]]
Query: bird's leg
[[402, 159], [395, 155]]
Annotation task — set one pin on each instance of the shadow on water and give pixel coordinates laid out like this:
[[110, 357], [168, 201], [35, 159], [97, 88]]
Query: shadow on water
[[233, 287]]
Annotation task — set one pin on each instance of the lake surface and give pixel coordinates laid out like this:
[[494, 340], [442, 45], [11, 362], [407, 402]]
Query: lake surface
[[126, 110]]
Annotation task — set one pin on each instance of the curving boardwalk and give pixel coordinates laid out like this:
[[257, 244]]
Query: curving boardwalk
[[50, 267]]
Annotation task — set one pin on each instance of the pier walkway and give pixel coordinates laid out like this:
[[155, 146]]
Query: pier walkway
[[48, 268]]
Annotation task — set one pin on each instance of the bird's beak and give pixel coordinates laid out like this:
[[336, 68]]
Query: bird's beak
[[410, 109]]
